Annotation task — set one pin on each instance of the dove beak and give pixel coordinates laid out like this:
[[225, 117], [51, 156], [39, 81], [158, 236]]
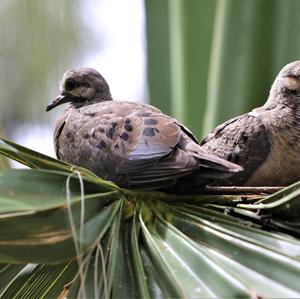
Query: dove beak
[[61, 99]]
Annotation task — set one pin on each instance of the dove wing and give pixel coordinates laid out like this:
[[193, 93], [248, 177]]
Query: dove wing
[[158, 157], [242, 140]]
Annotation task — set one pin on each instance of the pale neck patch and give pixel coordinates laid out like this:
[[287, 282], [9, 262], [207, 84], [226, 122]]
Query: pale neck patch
[[254, 113]]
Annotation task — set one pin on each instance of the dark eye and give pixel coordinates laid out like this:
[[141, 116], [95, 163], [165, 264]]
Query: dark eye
[[70, 84]]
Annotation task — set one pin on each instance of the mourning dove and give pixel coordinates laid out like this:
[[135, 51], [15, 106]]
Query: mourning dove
[[132, 144], [265, 141]]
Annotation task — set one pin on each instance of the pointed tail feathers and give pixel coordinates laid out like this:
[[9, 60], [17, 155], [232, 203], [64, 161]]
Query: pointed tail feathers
[[213, 166]]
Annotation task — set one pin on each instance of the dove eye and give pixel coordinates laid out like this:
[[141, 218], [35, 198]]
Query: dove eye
[[70, 84]]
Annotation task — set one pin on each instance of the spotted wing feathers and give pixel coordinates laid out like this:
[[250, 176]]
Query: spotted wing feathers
[[242, 140]]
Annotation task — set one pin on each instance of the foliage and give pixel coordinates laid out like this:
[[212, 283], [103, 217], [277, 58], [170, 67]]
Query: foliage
[[66, 232], [217, 58], [4, 164], [39, 39], [249, 48]]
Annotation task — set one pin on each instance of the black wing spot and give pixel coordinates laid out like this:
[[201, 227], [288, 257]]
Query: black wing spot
[[86, 136], [128, 127], [150, 121], [150, 132], [111, 131], [125, 136], [101, 144]]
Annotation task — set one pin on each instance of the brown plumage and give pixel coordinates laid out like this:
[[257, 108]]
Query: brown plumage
[[134, 145], [266, 141]]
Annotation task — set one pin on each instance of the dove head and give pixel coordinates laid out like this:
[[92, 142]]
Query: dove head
[[286, 87], [80, 87]]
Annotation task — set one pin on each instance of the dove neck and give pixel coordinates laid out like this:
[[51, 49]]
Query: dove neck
[[281, 107], [89, 102], [282, 113], [282, 95]]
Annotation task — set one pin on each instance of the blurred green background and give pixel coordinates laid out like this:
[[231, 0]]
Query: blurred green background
[[202, 61]]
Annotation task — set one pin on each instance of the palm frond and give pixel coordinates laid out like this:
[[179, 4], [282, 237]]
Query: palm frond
[[66, 232]]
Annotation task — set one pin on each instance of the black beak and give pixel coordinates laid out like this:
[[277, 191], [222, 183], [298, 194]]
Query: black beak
[[61, 99]]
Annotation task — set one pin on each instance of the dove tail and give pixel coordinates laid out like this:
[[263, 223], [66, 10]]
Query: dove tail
[[212, 166]]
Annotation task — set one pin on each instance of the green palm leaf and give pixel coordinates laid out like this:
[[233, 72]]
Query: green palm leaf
[[66, 232]]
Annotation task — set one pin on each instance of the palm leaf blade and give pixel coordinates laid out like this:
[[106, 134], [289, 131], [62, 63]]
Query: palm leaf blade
[[138, 244]]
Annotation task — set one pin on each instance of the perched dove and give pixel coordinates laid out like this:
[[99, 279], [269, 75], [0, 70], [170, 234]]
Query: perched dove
[[134, 145], [265, 141]]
